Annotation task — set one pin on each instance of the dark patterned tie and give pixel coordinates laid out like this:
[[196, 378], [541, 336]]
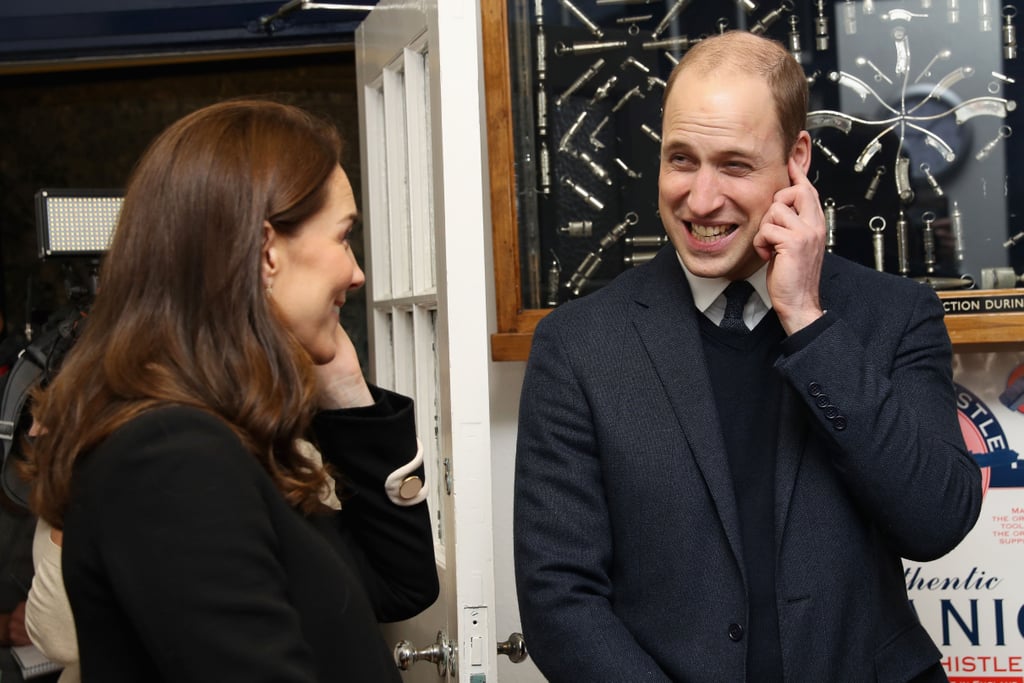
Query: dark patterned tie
[[736, 295]]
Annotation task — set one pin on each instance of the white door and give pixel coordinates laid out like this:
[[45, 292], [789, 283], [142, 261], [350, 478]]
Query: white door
[[425, 212]]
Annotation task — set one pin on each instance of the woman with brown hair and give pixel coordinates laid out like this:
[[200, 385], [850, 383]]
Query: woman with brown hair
[[201, 536]]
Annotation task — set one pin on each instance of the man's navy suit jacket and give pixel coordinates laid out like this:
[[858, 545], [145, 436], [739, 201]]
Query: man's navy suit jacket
[[627, 542]]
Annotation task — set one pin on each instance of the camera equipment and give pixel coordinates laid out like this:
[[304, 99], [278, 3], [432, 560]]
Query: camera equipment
[[76, 222], [70, 223]]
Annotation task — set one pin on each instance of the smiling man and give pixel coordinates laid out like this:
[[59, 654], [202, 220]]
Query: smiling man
[[724, 454]]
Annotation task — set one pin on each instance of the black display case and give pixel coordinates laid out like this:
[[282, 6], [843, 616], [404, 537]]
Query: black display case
[[913, 119]]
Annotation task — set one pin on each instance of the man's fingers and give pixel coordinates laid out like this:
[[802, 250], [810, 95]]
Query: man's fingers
[[796, 174]]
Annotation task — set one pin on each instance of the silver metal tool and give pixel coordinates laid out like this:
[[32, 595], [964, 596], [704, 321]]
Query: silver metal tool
[[877, 225], [1004, 132], [957, 220], [903, 244], [671, 14], [830, 224], [875, 181], [580, 81], [587, 196], [928, 240], [821, 27], [762, 26], [583, 18], [1009, 32], [927, 171]]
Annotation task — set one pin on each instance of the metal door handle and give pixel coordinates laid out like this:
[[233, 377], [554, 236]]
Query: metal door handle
[[514, 648], [441, 653]]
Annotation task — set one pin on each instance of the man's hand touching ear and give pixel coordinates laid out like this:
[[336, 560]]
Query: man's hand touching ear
[[792, 239]]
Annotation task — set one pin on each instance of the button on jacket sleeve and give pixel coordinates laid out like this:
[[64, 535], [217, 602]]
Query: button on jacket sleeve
[[628, 550], [891, 413]]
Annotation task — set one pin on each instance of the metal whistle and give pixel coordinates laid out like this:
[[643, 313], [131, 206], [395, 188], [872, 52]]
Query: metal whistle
[[583, 273], [903, 244], [926, 169], [767, 20], [554, 276], [578, 83], [795, 48], [849, 17], [578, 229], [830, 224], [681, 42], [875, 181], [618, 231], [1009, 32], [829, 154], [626, 169], [1004, 132], [671, 14], [937, 283], [984, 15], [877, 225], [561, 49], [928, 238], [595, 168], [584, 19], [957, 219], [821, 27], [587, 196]]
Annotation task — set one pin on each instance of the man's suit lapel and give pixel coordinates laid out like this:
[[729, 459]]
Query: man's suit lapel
[[665, 319], [793, 425], [791, 443]]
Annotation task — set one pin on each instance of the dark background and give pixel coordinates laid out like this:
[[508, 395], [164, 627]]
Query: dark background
[[993, 193], [84, 88], [83, 92]]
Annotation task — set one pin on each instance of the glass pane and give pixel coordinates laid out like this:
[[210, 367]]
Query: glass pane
[[912, 115], [398, 179], [377, 193], [421, 208], [428, 407], [405, 363], [918, 95], [383, 354]]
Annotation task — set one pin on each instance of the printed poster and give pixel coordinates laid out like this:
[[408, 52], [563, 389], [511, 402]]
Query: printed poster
[[972, 600]]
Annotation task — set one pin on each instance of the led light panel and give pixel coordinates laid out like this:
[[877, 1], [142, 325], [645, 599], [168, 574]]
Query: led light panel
[[76, 222]]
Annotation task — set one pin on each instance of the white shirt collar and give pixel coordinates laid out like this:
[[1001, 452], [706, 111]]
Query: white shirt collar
[[707, 289], [709, 300]]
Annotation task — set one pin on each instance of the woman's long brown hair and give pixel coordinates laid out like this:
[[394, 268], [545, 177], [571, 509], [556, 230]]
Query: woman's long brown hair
[[181, 316]]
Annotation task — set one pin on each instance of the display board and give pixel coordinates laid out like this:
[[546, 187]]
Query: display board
[[972, 600], [913, 118]]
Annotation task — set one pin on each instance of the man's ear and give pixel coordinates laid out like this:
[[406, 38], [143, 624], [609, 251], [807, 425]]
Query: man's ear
[[801, 152], [269, 255]]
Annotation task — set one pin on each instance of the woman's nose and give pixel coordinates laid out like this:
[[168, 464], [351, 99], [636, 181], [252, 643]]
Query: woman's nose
[[358, 276]]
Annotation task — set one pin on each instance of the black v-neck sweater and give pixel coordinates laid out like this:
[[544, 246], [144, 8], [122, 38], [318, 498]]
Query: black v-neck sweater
[[747, 391]]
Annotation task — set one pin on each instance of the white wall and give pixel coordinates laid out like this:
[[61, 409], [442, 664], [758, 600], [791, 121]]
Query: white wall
[[506, 379]]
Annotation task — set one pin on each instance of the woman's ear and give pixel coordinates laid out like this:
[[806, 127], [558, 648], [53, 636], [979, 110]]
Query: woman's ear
[[268, 255]]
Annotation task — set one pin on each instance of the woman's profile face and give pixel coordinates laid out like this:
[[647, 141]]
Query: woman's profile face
[[314, 268]]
